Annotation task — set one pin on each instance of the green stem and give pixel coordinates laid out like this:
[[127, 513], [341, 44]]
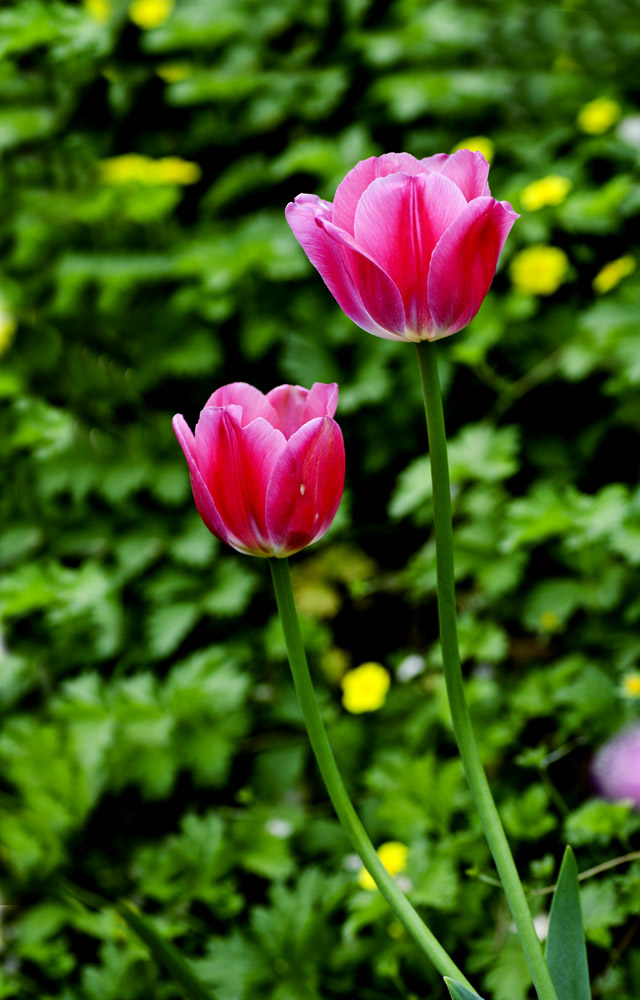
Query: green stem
[[337, 792], [461, 719]]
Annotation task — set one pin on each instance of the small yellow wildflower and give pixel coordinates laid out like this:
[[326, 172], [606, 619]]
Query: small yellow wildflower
[[124, 169], [598, 116], [549, 190], [478, 144], [173, 170], [613, 273], [631, 685], [539, 270], [133, 168], [549, 620], [393, 856], [365, 688], [564, 63], [396, 931], [150, 13], [7, 327], [100, 10], [173, 72]]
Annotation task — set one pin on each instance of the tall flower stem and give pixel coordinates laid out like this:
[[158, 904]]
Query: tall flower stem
[[483, 799], [335, 786]]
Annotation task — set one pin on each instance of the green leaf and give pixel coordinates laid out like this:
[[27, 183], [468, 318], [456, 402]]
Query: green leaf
[[459, 992], [164, 953], [566, 951]]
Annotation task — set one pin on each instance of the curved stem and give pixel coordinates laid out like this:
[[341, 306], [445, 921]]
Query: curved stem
[[461, 719], [335, 787]]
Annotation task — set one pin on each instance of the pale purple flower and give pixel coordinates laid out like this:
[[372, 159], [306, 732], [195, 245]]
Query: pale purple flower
[[616, 766]]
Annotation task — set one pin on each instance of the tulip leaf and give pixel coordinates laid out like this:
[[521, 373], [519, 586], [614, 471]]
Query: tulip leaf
[[164, 953], [459, 992], [566, 951]]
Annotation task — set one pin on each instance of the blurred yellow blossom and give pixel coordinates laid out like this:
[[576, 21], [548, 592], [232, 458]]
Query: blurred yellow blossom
[[478, 144], [564, 63], [150, 13], [631, 685], [598, 116], [549, 620], [393, 856], [539, 270], [365, 688], [100, 10], [613, 273], [132, 167], [7, 327], [173, 72], [549, 190]]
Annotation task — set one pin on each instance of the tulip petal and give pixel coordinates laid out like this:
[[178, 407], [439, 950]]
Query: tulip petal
[[306, 486], [236, 464], [294, 405], [435, 162], [399, 221], [361, 176], [203, 499], [253, 402], [322, 400], [360, 288], [464, 263], [469, 171]]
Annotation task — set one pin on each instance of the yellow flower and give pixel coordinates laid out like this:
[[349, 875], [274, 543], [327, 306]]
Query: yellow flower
[[631, 685], [394, 857], [564, 63], [7, 327], [150, 13], [598, 116], [365, 688], [100, 10], [173, 170], [549, 190], [539, 270], [613, 273], [478, 144], [549, 620], [173, 72], [133, 168]]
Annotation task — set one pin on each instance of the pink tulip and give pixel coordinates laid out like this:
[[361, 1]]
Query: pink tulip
[[409, 247], [267, 472], [616, 766]]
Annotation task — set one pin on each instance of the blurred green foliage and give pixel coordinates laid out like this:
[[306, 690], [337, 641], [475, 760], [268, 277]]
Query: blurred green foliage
[[151, 745]]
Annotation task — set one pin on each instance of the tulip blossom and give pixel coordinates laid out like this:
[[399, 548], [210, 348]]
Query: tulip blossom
[[409, 247], [616, 766], [267, 471]]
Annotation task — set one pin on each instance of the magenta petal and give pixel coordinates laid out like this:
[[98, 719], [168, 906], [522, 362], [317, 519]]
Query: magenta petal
[[361, 176], [306, 486], [360, 288], [464, 263], [322, 400], [435, 162], [295, 406], [289, 402], [203, 499], [236, 464], [470, 172], [253, 402], [398, 223]]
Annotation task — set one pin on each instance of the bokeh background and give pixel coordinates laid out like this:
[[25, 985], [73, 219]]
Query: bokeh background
[[150, 743]]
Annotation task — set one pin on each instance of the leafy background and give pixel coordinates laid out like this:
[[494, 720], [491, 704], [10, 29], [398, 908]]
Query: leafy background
[[151, 746]]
